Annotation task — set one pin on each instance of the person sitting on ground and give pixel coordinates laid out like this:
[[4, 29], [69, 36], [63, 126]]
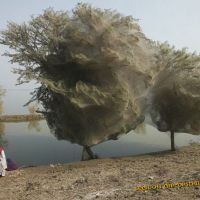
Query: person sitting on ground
[[11, 165]]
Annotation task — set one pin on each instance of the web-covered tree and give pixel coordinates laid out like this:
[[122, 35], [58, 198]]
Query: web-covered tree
[[175, 94], [93, 66]]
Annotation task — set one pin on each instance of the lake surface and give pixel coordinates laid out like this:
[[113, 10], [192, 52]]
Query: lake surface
[[33, 144]]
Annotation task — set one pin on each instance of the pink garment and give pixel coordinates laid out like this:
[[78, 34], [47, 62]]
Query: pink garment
[[1, 149]]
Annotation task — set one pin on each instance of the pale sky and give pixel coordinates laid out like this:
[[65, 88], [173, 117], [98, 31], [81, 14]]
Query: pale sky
[[175, 21]]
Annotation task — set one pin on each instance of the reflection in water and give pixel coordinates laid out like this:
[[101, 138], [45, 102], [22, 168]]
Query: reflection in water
[[28, 147], [3, 141], [34, 124], [2, 128]]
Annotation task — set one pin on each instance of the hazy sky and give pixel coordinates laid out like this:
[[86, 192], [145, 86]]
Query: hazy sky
[[175, 21]]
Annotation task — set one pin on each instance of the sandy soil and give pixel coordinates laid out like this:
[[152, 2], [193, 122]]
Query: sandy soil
[[114, 178]]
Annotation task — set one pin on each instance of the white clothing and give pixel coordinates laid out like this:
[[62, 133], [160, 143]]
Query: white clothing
[[3, 163]]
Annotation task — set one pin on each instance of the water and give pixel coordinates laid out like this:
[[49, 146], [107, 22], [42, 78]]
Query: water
[[33, 144]]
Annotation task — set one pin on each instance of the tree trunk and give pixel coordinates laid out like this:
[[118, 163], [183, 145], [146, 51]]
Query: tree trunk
[[87, 154], [172, 141]]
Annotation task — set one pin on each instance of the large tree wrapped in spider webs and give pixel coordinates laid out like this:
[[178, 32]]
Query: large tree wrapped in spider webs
[[175, 94], [93, 66]]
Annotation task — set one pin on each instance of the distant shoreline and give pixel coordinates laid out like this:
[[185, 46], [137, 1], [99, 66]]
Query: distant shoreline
[[20, 118]]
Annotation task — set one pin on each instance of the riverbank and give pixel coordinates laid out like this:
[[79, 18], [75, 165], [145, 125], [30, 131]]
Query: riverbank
[[113, 178], [20, 118]]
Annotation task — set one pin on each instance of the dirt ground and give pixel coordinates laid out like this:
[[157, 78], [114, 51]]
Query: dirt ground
[[113, 178]]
